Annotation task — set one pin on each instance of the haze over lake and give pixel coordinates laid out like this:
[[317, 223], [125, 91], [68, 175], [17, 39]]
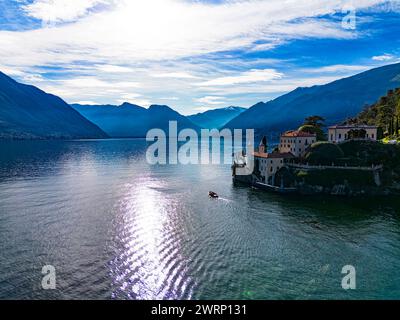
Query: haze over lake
[[117, 228]]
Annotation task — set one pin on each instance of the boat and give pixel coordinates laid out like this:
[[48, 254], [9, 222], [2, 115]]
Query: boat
[[212, 194]]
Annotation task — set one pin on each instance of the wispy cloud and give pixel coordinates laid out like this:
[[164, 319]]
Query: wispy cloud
[[135, 31], [113, 69], [213, 100], [174, 75], [337, 68], [84, 102], [194, 52], [60, 10], [384, 57], [203, 109], [245, 77]]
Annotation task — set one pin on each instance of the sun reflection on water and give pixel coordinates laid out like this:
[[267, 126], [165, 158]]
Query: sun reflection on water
[[148, 262]]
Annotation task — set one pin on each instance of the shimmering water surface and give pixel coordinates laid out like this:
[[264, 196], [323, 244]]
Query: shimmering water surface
[[117, 228]]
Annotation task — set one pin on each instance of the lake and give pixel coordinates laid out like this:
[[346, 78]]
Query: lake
[[115, 227]]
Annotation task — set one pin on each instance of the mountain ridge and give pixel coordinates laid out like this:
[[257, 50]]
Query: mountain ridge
[[27, 112], [133, 121], [336, 101], [215, 118]]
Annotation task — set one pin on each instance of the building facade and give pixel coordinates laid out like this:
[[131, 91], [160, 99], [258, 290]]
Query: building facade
[[340, 133], [296, 142], [268, 164]]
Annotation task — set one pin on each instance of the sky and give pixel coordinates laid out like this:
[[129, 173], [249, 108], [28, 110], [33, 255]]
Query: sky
[[192, 55]]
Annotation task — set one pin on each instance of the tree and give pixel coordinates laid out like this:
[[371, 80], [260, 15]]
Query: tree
[[385, 113], [315, 121], [314, 125], [313, 130]]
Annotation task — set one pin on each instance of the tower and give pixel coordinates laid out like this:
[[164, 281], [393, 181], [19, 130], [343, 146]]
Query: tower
[[262, 147]]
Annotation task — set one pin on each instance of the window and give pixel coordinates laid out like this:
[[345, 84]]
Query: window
[[299, 149], [340, 136], [331, 137], [373, 136], [306, 142]]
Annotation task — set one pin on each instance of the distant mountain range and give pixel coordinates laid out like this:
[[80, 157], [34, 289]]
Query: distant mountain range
[[217, 118], [129, 120], [27, 112], [335, 101]]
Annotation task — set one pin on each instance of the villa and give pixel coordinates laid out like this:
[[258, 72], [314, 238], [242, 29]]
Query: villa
[[341, 133], [270, 170], [293, 144], [273, 170], [296, 142], [268, 164]]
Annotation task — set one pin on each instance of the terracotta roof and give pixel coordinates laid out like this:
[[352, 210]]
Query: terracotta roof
[[274, 155], [298, 134]]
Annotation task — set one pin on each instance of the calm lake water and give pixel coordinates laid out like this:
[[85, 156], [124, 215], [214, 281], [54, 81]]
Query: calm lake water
[[115, 227]]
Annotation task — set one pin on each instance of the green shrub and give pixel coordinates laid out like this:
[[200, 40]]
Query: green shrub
[[372, 153], [323, 153], [331, 177]]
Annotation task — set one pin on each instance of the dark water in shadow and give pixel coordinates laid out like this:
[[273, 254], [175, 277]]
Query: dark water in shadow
[[116, 227]]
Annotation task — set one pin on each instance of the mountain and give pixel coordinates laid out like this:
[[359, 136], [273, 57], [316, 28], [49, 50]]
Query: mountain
[[27, 112], [217, 118], [129, 120], [335, 101]]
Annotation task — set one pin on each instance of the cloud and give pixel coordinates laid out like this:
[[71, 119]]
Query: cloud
[[105, 51], [137, 31], [245, 77], [60, 10], [140, 102], [113, 69], [203, 109], [11, 71], [91, 103], [275, 87], [32, 78], [174, 75], [384, 57], [169, 98], [337, 68], [213, 100]]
